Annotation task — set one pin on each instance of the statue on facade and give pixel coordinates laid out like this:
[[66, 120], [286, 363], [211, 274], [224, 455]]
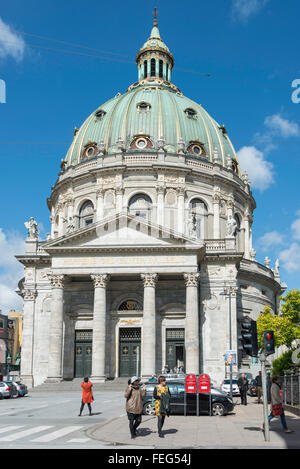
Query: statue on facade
[[192, 226], [277, 267], [70, 226], [231, 227], [32, 228]]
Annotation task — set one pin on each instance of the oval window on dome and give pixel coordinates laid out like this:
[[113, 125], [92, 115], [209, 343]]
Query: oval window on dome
[[143, 106], [141, 143], [191, 113], [100, 114]]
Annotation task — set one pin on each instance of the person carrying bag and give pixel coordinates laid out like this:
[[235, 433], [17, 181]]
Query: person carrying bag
[[162, 396]]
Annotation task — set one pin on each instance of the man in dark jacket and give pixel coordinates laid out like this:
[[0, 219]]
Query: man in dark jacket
[[243, 385], [258, 381]]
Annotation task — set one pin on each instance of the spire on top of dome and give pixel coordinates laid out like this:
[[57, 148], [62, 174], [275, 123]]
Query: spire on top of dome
[[154, 59], [155, 31]]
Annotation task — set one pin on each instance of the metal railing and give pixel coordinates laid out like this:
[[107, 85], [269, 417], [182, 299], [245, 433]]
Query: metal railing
[[290, 385]]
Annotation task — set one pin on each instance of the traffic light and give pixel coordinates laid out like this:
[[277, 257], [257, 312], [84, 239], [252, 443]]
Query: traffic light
[[249, 338], [269, 342]]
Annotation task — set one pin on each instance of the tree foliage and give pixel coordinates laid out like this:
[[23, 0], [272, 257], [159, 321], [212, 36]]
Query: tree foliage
[[286, 325]]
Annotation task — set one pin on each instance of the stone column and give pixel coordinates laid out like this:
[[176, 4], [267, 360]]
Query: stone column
[[216, 206], [192, 323], [99, 327], [180, 192], [28, 337], [56, 328], [149, 326]]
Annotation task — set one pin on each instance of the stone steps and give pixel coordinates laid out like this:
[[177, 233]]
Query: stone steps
[[74, 385]]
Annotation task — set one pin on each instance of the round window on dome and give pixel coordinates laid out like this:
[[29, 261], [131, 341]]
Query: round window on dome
[[197, 150], [90, 151], [141, 143]]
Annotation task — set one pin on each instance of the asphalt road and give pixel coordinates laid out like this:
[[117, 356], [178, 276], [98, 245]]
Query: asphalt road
[[51, 420]]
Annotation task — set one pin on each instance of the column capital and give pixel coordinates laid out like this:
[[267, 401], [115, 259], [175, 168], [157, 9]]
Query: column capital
[[100, 280], [149, 279], [191, 279], [29, 295], [57, 281]]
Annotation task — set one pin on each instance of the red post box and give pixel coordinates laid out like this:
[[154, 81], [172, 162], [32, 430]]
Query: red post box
[[190, 384], [204, 383]]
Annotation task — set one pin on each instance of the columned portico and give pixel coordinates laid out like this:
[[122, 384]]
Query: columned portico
[[192, 323], [56, 328], [99, 326], [149, 325]]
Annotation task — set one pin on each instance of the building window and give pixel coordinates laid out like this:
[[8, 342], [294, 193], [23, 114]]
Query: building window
[[161, 68], [86, 214], [145, 68], [100, 114], [197, 149], [130, 305], [140, 205], [152, 68], [191, 113], [198, 214], [143, 106]]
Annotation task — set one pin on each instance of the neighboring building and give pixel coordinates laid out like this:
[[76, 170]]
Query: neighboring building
[[15, 337], [3, 343], [151, 217]]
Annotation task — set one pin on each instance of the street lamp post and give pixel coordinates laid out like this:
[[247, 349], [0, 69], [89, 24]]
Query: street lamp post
[[228, 291]]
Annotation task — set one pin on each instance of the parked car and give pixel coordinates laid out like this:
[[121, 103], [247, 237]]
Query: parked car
[[225, 386], [252, 391], [20, 387], [4, 392], [221, 404], [10, 389]]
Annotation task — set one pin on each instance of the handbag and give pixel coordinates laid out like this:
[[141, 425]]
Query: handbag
[[277, 409]]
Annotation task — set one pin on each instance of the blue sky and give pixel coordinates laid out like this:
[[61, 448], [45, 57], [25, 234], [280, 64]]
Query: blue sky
[[251, 50]]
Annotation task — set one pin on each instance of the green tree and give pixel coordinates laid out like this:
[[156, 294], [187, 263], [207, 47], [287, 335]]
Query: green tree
[[286, 325]]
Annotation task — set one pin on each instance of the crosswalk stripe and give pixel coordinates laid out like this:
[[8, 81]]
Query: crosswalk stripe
[[24, 433], [9, 428], [79, 440], [57, 434]]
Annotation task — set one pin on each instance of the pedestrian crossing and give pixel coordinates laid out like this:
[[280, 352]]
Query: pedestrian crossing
[[40, 434]]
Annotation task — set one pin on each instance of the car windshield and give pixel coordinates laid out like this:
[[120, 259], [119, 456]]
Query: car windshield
[[227, 381]]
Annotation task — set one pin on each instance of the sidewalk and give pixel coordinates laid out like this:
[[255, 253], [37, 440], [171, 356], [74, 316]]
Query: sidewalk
[[237, 430]]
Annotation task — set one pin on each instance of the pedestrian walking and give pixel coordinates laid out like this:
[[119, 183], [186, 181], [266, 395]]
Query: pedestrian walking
[[276, 405], [258, 381], [243, 385], [87, 395], [162, 395], [134, 404]]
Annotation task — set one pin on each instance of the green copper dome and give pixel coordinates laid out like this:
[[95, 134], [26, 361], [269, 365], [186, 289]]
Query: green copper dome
[[152, 114]]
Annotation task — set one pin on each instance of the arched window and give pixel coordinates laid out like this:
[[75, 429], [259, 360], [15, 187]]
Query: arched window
[[197, 218], [130, 305], [152, 68], [161, 69], [140, 205], [145, 68], [86, 214]]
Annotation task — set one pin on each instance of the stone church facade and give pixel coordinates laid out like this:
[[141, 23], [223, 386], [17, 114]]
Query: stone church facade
[[151, 221]]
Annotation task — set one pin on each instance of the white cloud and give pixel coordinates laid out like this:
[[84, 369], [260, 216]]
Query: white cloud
[[282, 127], [290, 258], [243, 9], [11, 44], [269, 239], [259, 170], [11, 271], [295, 227]]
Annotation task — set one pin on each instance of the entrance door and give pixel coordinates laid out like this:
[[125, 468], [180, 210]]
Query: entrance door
[[83, 354], [129, 351], [175, 354]]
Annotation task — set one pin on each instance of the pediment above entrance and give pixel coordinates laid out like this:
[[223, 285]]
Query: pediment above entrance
[[120, 231]]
